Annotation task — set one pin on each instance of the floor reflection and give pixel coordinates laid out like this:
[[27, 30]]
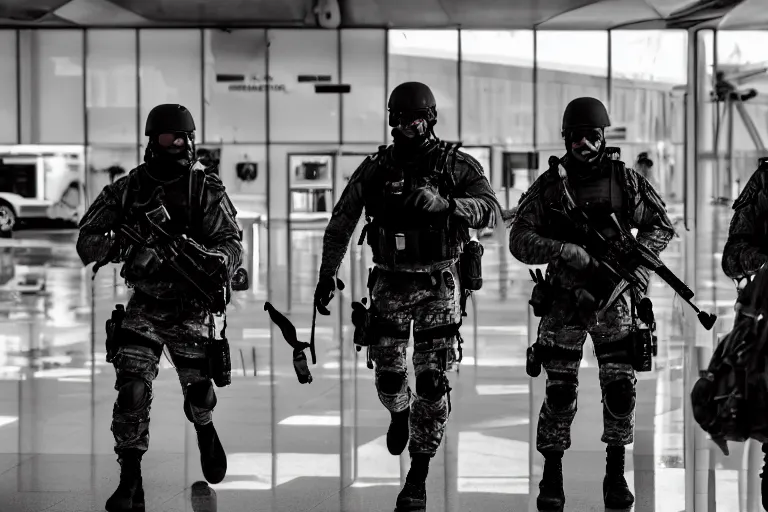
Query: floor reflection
[[319, 447]]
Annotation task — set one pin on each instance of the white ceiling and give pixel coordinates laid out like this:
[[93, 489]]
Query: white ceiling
[[468, 14]]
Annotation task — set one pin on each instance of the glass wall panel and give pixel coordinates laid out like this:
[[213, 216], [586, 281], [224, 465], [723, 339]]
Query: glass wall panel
[[299, 60], [741, 58], [111, 96], [52, 86], [647, 100], [362, 66], [170, 71], [736, 134], [8, 92], [431, 57], [565, 75], [107, 164], [497, 87], [235, 85]]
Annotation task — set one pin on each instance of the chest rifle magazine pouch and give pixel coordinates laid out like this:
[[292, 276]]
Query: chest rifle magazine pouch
[[471, 263], [220, 362], [113, 328]]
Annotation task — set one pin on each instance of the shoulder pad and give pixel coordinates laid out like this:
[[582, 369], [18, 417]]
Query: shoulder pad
[[461, 156], [380, 154], [756, 184]]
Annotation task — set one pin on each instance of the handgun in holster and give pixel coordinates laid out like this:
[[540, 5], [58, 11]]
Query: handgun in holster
[[113, 326], [218, 354], [643, 343], [220, 362]]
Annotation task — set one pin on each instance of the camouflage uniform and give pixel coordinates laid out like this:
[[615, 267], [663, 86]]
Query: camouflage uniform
[[535, 240], [160, 312], [427, 293], [745, 250]]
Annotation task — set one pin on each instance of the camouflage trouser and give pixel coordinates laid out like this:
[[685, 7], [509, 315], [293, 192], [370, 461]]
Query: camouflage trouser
[[148, 327], [432, 302], [562, 346]]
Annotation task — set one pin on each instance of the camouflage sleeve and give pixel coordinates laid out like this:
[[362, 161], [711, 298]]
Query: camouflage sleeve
[[743, 254], [526, 243], [344, 219], [93, 241], [220, 231], [476, 202], [649, 216]]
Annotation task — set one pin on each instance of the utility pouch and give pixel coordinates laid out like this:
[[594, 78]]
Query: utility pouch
[[300, 367], [532, 362], [365, 322], [113, 327], [471, 264], [220, 362], [643, 347]]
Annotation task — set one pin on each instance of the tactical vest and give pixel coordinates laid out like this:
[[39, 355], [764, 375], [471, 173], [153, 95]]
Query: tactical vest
[[399, 238], [182, 198], [601, 196]]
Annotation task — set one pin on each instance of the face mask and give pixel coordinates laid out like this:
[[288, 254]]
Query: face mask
[[411, 133], [172, 150], [586, 145]]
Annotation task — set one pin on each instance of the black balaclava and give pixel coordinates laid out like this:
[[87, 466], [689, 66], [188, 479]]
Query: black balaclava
[[585, 147], [170, 155], [414, 135]]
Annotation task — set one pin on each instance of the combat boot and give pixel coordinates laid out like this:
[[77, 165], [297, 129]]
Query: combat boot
[[213, 458], [551, 493], [129, 495], [413, 497], [616, 492], [397, 435]]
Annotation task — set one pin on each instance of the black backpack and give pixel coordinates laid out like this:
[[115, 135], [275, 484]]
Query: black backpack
[[730, 399]]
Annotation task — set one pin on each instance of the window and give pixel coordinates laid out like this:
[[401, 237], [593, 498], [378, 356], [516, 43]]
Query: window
[[8, 94], [235, 85], [741, 61], [299, 60], [170, 71], [582, 70], [647, 102], [497, 87], [362, 66], [52, 86], [430, 57], [111, 86]]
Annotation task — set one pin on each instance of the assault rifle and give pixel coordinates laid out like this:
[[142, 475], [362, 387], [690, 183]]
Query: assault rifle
[[622, 255]]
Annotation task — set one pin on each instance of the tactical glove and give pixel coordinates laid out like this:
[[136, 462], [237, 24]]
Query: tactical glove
[[324, 293], [575, 257], [427, 200]]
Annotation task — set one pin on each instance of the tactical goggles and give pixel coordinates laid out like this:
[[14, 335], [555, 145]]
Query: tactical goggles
[[172, 140], [591, 134]]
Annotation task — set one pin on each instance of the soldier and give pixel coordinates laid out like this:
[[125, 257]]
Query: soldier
[[421, 196], [601, 186], [164, 310], [746, 250]]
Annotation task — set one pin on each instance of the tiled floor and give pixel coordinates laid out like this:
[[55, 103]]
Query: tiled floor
[[318, 447]]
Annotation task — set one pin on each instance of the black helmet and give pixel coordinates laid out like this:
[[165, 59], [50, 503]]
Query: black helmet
[[585, 113], [169, 117], [411, 97]]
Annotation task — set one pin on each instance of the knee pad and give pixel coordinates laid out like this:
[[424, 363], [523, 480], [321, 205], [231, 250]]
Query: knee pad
[[391, 383], [430, 384], [200, 395], [619, 397], [132, 394], [561, 397]]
